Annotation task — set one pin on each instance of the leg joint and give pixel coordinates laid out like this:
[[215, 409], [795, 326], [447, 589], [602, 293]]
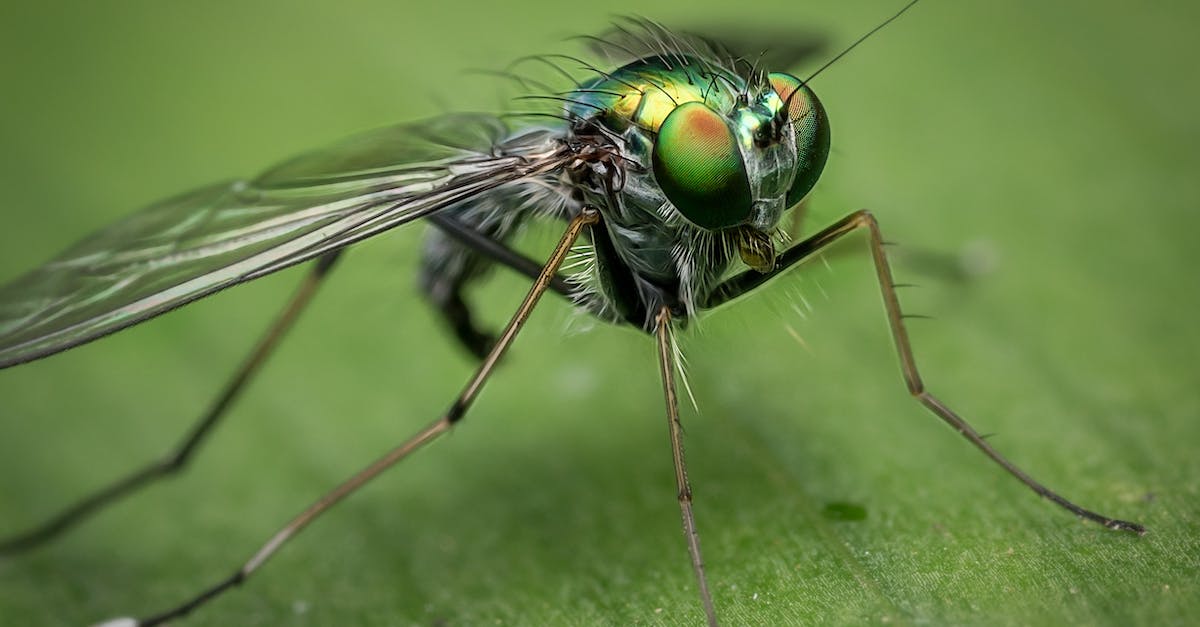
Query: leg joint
[[456, 412]]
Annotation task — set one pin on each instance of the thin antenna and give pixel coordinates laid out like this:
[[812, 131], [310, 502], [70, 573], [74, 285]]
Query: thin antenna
[[860, 40]]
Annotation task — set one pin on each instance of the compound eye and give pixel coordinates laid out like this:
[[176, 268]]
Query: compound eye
[[699, 167], [812, 132]]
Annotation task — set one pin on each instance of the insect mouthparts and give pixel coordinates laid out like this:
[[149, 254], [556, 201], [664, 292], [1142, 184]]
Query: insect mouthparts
[[756, 249]]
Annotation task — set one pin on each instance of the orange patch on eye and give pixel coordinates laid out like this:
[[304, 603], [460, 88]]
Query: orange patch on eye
[[784, 86], [706, 129], [702, 122]]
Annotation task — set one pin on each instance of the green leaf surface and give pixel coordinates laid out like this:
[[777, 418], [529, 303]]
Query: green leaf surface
[[1036, 162]]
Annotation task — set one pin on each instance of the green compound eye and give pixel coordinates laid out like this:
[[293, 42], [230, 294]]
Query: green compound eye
[[812, 132], [699, 167]]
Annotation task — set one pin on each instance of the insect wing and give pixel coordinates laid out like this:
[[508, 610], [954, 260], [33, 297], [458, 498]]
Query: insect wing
[[187, 247]]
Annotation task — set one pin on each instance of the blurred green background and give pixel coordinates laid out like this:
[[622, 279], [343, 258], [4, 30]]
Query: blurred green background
[[1050, 148]]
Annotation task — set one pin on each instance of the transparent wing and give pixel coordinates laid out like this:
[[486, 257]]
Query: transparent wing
[[187, 247]]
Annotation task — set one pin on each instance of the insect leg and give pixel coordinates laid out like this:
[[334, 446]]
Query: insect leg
[[863, 219], [455, 413], [178, 457], [469, 238], [456, 255], [666, 365], [497, 251]]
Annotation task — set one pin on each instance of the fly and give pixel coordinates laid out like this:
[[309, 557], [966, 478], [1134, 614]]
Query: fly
[[678, 168]]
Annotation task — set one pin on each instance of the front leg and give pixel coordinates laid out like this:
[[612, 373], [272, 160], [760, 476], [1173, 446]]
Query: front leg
[[862, 219]]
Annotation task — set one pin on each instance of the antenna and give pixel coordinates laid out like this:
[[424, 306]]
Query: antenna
[[860, 40]]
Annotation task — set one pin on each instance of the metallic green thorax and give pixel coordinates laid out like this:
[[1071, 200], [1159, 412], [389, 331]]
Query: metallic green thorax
[[645, 92]]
